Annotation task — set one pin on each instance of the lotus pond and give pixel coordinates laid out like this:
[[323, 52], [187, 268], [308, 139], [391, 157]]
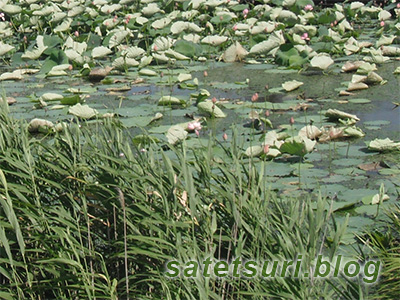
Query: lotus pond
[[308, 95]]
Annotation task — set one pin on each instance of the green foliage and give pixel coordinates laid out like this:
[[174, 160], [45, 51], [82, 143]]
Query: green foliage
[[287, 55], [188, 48], [82, 210], [384, 243]]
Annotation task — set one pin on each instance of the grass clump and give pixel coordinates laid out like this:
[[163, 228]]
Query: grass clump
[[384, 242], [84, 215]]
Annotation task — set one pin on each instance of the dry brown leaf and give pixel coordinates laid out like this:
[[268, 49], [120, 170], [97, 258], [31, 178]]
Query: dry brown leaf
[[98, 74], [351, 66], [370, 167], [357, 86], [345, 93]]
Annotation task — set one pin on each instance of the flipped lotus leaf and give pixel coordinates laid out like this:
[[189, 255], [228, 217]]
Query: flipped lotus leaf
[[235, 52], [40, 125], [82, 111], [4, 48], [310, 131], [100, 51], [147, 72], [321, 61], [289, 86], [176, 134], [254, 151], [211, 109], [214, 40], [51, 96], [383, 145], [335, 114]]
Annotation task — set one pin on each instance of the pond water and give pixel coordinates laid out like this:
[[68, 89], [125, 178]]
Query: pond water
[[340, 169]]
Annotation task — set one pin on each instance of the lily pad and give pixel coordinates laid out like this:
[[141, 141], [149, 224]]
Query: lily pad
[[170, 100]]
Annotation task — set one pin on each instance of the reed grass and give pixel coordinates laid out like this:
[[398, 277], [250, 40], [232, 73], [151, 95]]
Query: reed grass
[[85, 215]]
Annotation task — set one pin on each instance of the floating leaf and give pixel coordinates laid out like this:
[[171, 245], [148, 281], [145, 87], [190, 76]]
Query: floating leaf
[[170, 100], [235, 52], [211, 109], [335, 114], [15, 75], [310, 131], [98, 74], [184, 77], [151, 9], [5, 48], [64, 26], [118, 37], [71, 100], [383, 145], [40, 125], [214, 40], [82, 111], [373, 78], [266, 46], [10, 9], [390, 50], [291, 85], [59, 70], [353, 132], [100, 51], [355, 86], [297, 146], [51, 96], [176, 134], [351, 66], [176, 55], [147, 72], [124, 62], [254, 151], [321, 61], [384, 15], [145, 61]]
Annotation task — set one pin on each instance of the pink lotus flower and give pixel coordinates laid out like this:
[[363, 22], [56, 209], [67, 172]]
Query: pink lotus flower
[[291, 121], [266, 149], [305, 36], [225, 136], [382, 23], [194, 126], [254, 98], [76, 33], [308, 7], [235, 27], [245, 12]]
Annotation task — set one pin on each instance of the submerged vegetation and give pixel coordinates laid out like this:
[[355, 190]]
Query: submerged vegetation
[[137, 132]]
